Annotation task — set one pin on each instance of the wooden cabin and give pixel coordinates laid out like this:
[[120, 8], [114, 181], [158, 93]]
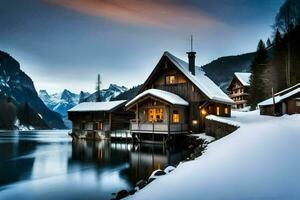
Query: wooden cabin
[[284, 102], [93, 120], [238, 89], [175, 99]]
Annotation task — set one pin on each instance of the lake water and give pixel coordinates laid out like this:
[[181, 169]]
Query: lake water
[[48, 165]]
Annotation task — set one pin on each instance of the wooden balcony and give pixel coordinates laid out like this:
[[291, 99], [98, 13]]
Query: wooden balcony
[[241, 102], [238, 94], [158, 128]]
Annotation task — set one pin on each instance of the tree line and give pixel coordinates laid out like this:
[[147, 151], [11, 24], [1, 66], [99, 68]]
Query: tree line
[[276, 65]]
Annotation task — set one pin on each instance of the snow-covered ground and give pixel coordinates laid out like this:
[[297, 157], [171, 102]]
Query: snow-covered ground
[[258, 161], [204, 137]]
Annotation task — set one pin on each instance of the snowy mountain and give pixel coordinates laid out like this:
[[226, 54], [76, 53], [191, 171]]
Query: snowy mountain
[[17, 93], [106, 94], [62, 102], [59, 102]]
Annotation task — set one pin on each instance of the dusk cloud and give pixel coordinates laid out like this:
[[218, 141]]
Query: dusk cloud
[[161, 13], [65, 43]]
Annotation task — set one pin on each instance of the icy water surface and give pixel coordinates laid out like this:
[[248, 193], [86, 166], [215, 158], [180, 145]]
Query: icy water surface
[[48, 165]]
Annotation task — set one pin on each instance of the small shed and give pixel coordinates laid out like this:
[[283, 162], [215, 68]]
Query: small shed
[[284, 102], [92, 120]]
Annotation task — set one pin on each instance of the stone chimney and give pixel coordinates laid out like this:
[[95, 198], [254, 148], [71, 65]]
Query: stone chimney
[[192, 57]]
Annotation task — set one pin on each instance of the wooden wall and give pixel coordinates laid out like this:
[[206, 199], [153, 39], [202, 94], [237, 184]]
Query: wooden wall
[[120, 119], [183, 86], [218, 129], [149, 103]]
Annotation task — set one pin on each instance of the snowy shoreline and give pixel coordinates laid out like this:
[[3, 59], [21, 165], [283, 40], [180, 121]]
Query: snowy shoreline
[[255, 162]]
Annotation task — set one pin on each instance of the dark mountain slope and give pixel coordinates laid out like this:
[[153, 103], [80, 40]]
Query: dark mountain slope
[[16, 84], [129, 94], [222, 69]]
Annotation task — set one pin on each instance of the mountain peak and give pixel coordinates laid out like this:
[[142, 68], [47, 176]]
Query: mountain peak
[[43, 92], [66, 93], [117, 87]]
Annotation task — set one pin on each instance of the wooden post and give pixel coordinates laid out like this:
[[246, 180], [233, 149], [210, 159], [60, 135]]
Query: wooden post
[[169, 116], [273, 102], [137, 113], [109, 121]]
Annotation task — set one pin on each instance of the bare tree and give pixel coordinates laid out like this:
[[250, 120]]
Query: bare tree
[[288, 18]]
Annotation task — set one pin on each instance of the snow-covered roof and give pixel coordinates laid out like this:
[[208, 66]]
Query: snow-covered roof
[[164, 95], [278, 97], [205, 84], [244, 78], [288, 89], [96, 106]]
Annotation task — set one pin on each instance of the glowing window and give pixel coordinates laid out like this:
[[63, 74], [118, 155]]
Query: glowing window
[[170, 80], [175, 116], [194, 122], [203, 112], [218, 110], [193, 88], [155, 115], [226, 110]]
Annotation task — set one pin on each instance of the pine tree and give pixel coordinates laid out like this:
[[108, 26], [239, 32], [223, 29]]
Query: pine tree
[[288, 16], [277, 38], [258, 82], [278, 63], [269, 42], [8, 113], [98, 88]]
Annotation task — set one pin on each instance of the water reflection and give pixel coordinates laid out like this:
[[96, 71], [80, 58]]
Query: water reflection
[[36, 165]]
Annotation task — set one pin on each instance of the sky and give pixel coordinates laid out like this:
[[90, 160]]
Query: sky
[[64, 44]]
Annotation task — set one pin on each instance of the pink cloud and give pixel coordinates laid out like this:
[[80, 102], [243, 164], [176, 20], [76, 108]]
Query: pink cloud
[[141, 12]]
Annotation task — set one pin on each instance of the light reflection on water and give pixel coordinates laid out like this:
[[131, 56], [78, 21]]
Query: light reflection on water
[[48, 165]]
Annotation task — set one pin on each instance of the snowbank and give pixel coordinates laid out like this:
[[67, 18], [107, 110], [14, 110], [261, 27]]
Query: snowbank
[[258, 161], [204, 137]]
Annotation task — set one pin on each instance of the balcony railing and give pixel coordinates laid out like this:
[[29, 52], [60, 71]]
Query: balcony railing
[[238, 94], [158, 127]]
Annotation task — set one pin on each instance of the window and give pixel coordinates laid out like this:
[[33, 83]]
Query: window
[[193, 88], [82, 126], [155, 115], [170, 80], [175, 116], [210, 109], [298, 103], [218, 110], [226, 111]]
